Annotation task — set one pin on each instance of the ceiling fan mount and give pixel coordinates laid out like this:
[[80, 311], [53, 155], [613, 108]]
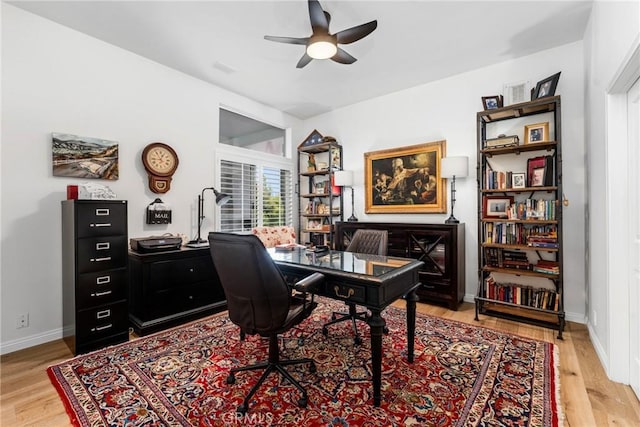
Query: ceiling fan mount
[[322, 44]]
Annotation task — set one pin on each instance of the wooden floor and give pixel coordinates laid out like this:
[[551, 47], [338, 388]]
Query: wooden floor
[[27, 397]]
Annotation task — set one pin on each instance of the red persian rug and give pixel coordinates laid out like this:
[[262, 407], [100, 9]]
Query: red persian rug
[[463, 375]]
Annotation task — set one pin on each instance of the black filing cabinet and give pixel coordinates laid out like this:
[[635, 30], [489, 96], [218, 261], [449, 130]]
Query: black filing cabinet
[[94, 273]]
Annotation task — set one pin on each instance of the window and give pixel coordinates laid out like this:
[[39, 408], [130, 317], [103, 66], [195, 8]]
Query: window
[[240, 131], [255, 172], [261, 195]]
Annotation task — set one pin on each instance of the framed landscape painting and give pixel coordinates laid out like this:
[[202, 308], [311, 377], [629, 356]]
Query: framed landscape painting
[[405, 180], [84, 157]]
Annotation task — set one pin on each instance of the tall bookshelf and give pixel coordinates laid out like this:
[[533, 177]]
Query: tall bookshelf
[[321, 204], [519, 170]]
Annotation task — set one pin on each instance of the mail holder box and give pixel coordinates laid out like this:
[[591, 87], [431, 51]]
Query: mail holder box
[[158, 217]]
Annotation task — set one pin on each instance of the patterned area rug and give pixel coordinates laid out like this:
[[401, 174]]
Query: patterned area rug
[[463, 375]]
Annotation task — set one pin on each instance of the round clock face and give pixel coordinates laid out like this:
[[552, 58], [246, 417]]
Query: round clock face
[[160, 159]]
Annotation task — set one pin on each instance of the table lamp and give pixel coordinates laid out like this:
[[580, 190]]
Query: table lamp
[[345, 179], [454, 167], [221, 199]]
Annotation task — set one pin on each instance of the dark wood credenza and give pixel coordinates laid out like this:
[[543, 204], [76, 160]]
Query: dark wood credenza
[[440, 246], [172, 287]]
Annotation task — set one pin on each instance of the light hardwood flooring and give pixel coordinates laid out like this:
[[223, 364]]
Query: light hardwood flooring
[[27, 397]]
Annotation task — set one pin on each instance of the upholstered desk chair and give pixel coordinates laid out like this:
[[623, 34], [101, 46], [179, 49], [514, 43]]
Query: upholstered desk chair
[[364, 241], [260, 302]]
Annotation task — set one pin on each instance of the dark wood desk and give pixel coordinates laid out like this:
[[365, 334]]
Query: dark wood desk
[[371, 281]]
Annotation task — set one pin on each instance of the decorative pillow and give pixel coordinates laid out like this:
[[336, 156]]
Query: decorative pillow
[[273, 236]]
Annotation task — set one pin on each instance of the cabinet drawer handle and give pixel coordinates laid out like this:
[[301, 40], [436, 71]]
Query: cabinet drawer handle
[[101, 294], [102, 314], [103, 280], [102, 212], [349, 293], [101, 224], [107, 258], [102, 328], [103, 246]]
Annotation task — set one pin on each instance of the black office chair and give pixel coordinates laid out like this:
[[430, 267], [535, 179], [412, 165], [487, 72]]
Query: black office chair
[[260, 302], [364, 241]]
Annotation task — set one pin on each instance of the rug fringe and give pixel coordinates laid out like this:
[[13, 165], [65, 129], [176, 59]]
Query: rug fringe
[[556, 381], [73, 416]]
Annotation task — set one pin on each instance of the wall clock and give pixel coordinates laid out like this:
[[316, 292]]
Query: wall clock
[[160, 162]]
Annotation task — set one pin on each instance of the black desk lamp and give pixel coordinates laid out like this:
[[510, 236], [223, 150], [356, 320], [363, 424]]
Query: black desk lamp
[[221, 199], [452, 167], [345, 179]]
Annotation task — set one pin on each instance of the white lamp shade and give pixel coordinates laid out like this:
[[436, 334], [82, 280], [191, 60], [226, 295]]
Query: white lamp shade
[[457, 166], [343, 178]]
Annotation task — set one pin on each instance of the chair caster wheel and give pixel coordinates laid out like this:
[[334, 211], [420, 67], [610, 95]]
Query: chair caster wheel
[[325, 331], [300, 342], [312, 367], [385, 330], [242, 409], [231, 379], [357, 340], [302, 402]]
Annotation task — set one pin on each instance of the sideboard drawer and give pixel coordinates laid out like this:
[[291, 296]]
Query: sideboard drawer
[[101, 287], [102, 321], [101, 253]]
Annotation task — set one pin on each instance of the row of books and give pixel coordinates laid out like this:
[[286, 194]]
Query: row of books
[[499, 258], [519, 234], [538, 209], [549, 240], [503, 180], [521, 295]]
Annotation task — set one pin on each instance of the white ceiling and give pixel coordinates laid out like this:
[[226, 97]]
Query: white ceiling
[[416, 42]]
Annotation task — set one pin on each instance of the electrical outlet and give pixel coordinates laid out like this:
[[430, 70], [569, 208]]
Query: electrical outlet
[[22, 321]]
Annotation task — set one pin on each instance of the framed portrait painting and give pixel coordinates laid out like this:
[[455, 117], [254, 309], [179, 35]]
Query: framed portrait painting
[[405, 180]]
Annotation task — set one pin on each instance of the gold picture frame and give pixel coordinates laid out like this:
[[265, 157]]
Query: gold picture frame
[[405, 180], [537, 132]]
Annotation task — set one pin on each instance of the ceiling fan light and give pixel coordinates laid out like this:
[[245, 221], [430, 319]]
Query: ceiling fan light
[[321, 49]]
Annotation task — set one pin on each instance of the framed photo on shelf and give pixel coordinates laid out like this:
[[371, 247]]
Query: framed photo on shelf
[[496, 206], [538, 132], [518, 180], [492, 102], [405, 180], [546, 87], [533, 164], [537, 178]]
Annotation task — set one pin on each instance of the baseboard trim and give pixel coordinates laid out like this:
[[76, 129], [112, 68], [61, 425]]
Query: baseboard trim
[[30, 341]]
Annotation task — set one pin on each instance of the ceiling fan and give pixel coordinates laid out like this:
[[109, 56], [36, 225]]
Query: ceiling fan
[[323, 45]]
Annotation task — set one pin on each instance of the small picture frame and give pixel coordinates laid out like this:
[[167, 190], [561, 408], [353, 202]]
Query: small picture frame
[[537, 177], [546, 87], [533, 164], [496, 206], [538, 132], [518, 180], [492, 102]]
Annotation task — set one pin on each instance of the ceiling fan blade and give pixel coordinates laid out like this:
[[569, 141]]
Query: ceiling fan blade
[[343, 57], [290, 40], [317, 16], [304, 60], [353, 34]]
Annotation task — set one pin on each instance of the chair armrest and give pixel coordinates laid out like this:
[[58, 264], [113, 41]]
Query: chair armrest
[[309, 283]]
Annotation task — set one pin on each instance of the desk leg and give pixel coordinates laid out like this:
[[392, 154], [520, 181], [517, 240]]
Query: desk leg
[[376, 324], [411, 323]]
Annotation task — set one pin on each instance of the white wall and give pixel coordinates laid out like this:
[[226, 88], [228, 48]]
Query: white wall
[[446, 109], [613, 30], [58, 80]]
